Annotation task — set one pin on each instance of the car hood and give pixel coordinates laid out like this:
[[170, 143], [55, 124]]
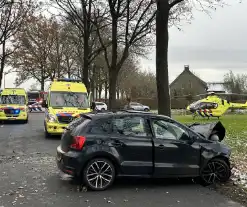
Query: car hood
[[207, 130]]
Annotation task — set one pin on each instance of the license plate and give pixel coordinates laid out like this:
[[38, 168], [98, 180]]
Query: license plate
[[12, 118]]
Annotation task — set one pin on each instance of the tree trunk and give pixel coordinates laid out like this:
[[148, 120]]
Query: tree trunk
[[93, 79], [112, 89], [86, 64], [118, 94], [122, 94], [96, 92], [2, 61], [113, 69], [42, 84], [106, 90], [100, 90], [162, 77]]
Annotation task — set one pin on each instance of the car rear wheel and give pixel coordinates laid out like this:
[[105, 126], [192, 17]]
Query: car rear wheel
[[216, 171], [99, 174]]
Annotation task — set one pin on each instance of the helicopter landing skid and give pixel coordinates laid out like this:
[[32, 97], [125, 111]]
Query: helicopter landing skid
[[194, 116]]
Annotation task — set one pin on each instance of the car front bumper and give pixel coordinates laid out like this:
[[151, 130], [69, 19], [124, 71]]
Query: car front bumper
[[21, 117], [55, 128]]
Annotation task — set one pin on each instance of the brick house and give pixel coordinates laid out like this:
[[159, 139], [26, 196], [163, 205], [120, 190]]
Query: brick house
[[187, 83]]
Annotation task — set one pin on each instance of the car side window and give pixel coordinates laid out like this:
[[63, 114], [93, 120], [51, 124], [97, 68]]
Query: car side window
[[167, 130], [100, 127], [129, 126]]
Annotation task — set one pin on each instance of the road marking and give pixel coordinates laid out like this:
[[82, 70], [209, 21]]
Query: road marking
[[1, 126]]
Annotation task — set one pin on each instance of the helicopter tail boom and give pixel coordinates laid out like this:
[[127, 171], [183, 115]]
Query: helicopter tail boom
[[238, 105]]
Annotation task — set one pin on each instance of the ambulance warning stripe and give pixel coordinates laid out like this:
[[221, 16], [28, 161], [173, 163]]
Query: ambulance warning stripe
[[12, 108], [9, 108], [64, 114]]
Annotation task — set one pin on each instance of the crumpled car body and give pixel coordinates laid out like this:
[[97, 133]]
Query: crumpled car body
[[213, 133], [210, 130]]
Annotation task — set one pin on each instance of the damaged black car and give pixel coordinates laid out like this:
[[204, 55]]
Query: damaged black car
[[98, 147]]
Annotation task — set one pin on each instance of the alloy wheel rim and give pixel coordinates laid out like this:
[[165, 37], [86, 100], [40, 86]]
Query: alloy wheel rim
[[214, 172], [99, 174]]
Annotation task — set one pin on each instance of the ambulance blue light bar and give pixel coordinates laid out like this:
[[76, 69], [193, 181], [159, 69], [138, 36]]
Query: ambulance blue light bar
[[67, 80]]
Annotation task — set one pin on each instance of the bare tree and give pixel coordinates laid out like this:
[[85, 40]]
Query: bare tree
[[131, 28], [235, 83], [80, 14], [164, 10], [12, 15], [62, 57], [34, 45]]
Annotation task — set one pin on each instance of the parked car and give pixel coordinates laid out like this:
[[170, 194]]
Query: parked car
[[101, 106], [98, 147], [137, 107]]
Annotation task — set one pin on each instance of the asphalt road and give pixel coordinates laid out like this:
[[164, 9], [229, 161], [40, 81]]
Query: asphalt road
[[29, 177]]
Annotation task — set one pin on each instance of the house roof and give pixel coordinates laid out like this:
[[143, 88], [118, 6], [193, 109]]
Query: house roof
[[217, 87], [187, 70]]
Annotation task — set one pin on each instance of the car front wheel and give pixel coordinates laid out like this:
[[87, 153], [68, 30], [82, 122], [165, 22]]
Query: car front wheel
[[99, 174], [216, 171], [47, 135]]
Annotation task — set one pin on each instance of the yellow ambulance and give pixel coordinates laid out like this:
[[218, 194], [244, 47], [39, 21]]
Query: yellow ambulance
[[13, 104], [66, 100]]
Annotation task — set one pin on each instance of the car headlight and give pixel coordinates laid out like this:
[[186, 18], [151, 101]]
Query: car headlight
[[52, 118]]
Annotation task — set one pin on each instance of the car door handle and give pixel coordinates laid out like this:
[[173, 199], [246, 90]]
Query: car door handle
[[161, 146]]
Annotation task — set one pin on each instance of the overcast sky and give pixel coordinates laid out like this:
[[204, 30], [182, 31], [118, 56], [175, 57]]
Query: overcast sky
[[211, 46]]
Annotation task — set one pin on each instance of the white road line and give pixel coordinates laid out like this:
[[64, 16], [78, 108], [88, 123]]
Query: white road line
[[1, 126]]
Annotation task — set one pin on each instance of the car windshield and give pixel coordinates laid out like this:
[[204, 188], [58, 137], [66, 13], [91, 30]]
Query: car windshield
[[12, 99], [69, 99]]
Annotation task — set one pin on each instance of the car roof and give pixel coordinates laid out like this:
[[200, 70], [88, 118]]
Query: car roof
[[107, 114]]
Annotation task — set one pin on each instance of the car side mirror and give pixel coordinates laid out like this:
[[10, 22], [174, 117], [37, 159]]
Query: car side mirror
[[188, 139]]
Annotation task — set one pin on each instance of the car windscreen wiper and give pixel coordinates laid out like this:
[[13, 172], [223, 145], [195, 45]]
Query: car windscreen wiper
[[57, 107]]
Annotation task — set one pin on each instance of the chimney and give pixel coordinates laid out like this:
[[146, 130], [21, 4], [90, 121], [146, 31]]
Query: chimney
[[186, 67]]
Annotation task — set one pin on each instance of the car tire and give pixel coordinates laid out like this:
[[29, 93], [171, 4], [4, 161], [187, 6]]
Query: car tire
[[93, 177], [47, 135], [103, 109], [146, 109], [216, 171], [25, 121]]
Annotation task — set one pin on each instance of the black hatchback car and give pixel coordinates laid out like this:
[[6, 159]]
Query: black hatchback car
[[98, 147]]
